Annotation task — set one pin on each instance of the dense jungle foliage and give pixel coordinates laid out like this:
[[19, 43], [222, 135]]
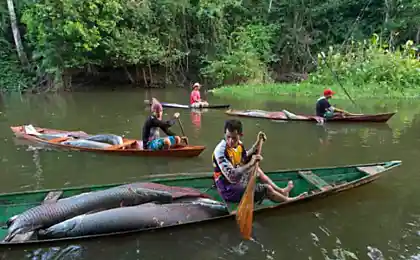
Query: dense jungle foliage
[[176, 42]]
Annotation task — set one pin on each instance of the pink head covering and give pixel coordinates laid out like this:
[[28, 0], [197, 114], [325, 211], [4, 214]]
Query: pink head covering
[[156, 106]]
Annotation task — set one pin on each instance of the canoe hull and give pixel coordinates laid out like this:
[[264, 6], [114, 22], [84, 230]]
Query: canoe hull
[[363, 174], [188, 151], [279, 115]]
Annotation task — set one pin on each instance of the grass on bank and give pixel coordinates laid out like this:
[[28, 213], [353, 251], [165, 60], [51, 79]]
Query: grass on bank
[[307, 89], [368, 69]]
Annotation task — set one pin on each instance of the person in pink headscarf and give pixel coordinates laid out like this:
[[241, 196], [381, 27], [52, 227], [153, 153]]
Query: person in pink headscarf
[[150, 136], [195, 97]]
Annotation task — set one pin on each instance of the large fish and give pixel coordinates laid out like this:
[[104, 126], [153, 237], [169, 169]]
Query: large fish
[[176, 191], [86, 144], [106, 138], [144, 216], [46, 215]]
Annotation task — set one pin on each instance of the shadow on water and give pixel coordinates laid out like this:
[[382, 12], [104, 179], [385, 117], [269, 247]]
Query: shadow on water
[[383, 215]]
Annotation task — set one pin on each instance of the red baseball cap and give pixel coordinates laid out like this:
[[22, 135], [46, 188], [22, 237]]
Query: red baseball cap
[[328, 92]]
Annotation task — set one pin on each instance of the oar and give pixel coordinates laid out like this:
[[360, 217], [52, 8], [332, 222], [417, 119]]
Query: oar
[[244, 213], [182, 129]]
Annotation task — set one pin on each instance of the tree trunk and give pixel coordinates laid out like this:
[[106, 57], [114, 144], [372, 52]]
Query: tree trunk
[[16, 35]]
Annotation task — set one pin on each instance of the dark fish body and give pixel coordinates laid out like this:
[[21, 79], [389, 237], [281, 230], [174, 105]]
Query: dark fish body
[[106, 138], [176, 191], [144, 216], [46, 215]]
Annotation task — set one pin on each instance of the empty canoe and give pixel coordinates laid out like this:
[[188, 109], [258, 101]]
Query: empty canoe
[[287, 116], [79, 141], [317, 182]]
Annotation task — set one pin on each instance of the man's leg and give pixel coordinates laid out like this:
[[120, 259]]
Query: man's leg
[[273, 195], [284, 192], [265, 179], [195, 105], [173, 141]]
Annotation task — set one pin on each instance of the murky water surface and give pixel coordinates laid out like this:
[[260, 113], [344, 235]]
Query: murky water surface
[[377, 221]]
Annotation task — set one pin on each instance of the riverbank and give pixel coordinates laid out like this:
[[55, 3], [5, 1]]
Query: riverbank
[[307, 89]]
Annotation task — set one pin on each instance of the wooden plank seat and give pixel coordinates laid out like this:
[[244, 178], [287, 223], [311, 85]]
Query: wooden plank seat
[[315, 180]]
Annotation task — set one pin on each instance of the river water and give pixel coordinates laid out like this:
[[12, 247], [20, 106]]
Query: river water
[[377, 221]]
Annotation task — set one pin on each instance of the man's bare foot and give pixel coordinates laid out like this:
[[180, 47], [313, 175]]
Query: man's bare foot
[[301, 196], [288, 188]]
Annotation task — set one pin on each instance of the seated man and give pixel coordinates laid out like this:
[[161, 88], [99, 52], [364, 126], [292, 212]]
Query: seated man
[[195, 97], [324, 108], [151, 139], [233, 165]]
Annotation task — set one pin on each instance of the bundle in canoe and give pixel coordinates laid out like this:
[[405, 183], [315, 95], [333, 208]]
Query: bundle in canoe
[[81, 141], [317, 182], [287, 116], [175, 105]]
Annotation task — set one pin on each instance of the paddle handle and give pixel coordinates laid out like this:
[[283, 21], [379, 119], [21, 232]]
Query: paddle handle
[[182, 128]]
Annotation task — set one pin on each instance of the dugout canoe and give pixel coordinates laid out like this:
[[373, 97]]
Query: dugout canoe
[[280, 115], [175, 105], [123, 149], [318, 182]]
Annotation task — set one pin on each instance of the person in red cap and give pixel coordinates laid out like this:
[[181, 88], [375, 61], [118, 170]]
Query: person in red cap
[[324, 108], [150, 136], [195, 97]]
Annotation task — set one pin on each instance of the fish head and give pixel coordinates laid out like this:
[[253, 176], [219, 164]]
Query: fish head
[[10, 221], [61, 229]]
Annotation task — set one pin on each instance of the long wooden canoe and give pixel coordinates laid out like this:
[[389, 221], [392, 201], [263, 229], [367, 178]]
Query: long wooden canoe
[[316, 181], [280, 115], [175, 105], [124, 149]]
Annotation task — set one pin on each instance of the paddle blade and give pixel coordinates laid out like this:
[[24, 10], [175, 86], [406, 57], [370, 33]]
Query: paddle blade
[[244, 213]]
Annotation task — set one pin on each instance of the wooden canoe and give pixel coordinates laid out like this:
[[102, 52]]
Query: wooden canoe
[[175, 105], [188, 151], [318, 182], [280, 115]]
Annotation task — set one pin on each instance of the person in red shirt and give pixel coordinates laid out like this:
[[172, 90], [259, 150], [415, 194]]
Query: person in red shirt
[[195, 97]]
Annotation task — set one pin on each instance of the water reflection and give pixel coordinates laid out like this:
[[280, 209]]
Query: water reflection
[[196, 115], [50, 253]]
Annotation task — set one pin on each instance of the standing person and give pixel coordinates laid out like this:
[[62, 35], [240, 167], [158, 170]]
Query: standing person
[[195, 97], [150, 136], [233, 165], [324, 109]]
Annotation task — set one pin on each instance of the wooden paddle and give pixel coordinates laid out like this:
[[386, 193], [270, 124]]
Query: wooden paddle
[[182, 129], [244, 213]]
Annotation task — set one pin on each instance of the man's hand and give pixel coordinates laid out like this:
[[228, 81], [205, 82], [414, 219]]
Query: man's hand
[[256, 158], [176, 115], [262, 136], [184, 139]]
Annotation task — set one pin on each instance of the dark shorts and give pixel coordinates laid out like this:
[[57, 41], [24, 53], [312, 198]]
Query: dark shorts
[[234, 192]]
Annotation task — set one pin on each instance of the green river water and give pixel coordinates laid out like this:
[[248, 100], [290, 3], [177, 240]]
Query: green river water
[[377, 221]]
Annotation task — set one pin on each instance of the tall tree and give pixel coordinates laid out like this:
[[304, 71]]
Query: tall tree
[[16, 35]]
